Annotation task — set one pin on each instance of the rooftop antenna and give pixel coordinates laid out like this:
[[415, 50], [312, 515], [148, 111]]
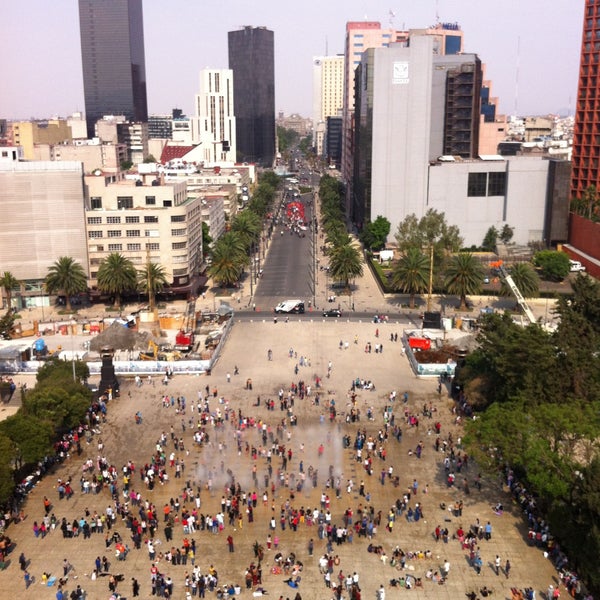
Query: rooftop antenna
[[392, 16], [437, 12], [326, 46]]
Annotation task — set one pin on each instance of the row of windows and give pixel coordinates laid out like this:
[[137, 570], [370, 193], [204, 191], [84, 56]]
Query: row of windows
[[117, 220], [125, 202], [117, 247], [114, 233], [486, 184]]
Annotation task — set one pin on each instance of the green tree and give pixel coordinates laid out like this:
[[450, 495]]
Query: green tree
[[246, 225], [345, 263], [7, 324], [150, 159], [374, 235], [126, 165], [490, 240], [8, 453], [286, 138], [464, 276], [60, 372], [554, 265], [8, 282], [62, 408], [229, 257], [206, 239], [66, 276], [116, 276], [410, 274], [525, 278], [152, 280], [506, 233], [32, 438]]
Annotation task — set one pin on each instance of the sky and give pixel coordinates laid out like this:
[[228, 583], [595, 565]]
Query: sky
[[531, 48]]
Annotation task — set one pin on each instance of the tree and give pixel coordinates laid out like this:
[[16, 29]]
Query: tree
[[7, 323], [117, 275], [32, 438], [152, 280], [247, 226], [490, 240], [374, 235], [8, 282], [229, 256], [206, 238], [7, 462], [410, 275], [286, 138], [554, 265], [150, 159], [66, 276], [506, 233], [345, 263], [464, 275], [525, 278]]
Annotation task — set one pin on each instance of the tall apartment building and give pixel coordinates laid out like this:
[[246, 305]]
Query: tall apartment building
[[114, 66], [42, 214], [214, 124], [145, 220], [328, 92], [252, 60], [584, 234]]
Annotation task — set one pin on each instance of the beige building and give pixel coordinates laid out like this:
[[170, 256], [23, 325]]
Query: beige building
[[536, 127], [42, 214], [213, 214], [92, 153], [29, 133], [146, 219], [328, 92]]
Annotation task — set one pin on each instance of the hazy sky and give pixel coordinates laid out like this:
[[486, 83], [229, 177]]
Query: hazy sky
[[40, 59]]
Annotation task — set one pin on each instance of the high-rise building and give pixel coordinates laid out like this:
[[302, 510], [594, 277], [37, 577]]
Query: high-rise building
[[112, 52], [584, 234], [328, 92], [214, 124], [252, 60]]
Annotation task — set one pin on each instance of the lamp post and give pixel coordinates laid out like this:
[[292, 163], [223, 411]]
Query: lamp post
[[430, 278], [73, 323]]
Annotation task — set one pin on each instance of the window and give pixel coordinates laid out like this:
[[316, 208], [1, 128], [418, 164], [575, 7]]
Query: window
[[124, 202], [134, 247], [93, 235], [150, 219], [150, 200], [153, 246], [94, 274], [132, 219], [115, 247], [477, 184], [177, 232], [177, 218], [167, 203], [152, 233], [114, 233], [96, 202], [113, 220], [97, 248], [133, 233], [178, 245], [497, 184], [94, 220]]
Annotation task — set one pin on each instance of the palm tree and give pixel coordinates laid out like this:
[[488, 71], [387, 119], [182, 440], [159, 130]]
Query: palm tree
[[411, 273], [8, 282], [247, 226], [525, 278], [345, 262], [229, 256], [151, 281], [66, 276], [116, 275], [464, 275]]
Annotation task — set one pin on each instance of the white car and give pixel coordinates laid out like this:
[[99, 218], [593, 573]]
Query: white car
[[576, 267]]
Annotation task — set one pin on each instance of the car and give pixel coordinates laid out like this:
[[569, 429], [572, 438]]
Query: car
[[332, 312], [289, 306], [576, 267]]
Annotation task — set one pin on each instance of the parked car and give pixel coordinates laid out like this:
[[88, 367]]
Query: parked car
[[576, 266], [332, 312]]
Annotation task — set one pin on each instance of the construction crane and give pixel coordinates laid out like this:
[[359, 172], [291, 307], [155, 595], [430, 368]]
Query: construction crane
[[514, 289]]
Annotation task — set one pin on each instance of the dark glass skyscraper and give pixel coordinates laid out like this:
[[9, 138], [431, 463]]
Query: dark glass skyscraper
[[114, 67], [252, 60]]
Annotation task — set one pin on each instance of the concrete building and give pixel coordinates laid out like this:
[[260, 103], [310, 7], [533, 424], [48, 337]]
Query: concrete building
[[29, 133], [78, 126], [333, 148], [115, 129], [213, 126], [145, 220], [328, 92], [252, 60], [113, 60], [92, 153], [213, 214], [402, 163], [160, 127], [42, 214], [538, 127]]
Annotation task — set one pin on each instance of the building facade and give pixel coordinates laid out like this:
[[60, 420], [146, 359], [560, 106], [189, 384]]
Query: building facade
[[214, 124], [29, 133], [328, 92], [252, 60], [145, 221], [112, 52]]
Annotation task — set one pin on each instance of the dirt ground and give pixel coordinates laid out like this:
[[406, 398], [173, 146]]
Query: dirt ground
[[318, 343]]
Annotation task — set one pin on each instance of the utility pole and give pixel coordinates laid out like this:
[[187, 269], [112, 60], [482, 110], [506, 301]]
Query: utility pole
[[430, 278]]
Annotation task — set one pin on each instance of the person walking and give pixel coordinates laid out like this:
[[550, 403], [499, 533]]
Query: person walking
[[135, 587], [230, 543], [497, 565], [507, 568]]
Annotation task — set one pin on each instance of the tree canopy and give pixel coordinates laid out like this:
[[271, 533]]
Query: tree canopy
[[66, 275], [554, 266], [374, 234]]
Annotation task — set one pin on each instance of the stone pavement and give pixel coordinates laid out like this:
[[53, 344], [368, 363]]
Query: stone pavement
[[247, 348]]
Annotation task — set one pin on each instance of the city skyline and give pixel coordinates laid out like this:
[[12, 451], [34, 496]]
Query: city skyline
[[532, 58]]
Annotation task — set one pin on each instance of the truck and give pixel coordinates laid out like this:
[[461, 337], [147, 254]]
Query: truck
[[290, 306]]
